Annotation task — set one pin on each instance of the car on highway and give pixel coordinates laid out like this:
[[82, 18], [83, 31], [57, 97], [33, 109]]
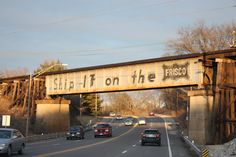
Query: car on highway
[[11, 140], [151, 136], [128, 122], [103, 129], [112, 114], [129, 117], [75, 132], [151, 114], [142, 121], [119, 117]]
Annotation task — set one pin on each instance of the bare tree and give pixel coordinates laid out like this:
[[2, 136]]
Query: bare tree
[[121, 102], [197, 39], [171, 96], [201, 38], [145, 99], [1, 75], [48, 63], [13, 72]]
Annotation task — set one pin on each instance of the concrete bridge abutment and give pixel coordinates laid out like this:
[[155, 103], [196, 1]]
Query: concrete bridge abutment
[[52, 115], [200, 116]]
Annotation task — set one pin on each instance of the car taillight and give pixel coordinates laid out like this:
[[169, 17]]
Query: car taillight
[[96, 130], [158, 135]]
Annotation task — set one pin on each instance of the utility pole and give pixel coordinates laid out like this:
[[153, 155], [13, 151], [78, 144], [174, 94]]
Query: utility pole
[[80, 107], [96, 105], [177, 102]]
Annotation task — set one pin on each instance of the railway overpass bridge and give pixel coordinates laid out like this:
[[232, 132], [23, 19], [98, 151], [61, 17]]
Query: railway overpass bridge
[[211, 74]]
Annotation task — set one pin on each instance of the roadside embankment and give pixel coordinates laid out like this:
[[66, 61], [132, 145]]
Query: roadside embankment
[[225, 150]]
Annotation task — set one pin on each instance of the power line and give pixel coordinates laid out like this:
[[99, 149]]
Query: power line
[[106, 12], [84, 52], [97, 13], [195, 11]]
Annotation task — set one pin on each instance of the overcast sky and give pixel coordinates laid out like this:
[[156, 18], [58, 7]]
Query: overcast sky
[[84, 33]]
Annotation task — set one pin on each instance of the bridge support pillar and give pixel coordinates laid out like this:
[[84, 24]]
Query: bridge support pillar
[[200, 115], [52, 116]]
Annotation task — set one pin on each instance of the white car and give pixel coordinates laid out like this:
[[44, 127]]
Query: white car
[[128, 122], [11, 140], [141, 121], [112, 114], [119, 117]]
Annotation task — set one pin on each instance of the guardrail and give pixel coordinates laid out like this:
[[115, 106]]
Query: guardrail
[[45, 136], [201, 152], [35, 138]]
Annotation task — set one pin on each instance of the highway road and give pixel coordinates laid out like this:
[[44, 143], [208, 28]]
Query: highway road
[[124, 143]]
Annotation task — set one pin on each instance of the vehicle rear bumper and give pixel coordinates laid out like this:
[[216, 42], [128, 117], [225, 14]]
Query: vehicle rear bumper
[[151, 140], [73, 137], [102, 134], [141, 123]]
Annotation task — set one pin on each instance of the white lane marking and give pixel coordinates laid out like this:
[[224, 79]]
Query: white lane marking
[[168, 141], [125, 151], [134, 145]]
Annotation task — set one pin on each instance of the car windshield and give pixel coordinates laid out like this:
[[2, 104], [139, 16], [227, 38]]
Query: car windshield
[[128, 120], [74, 128], [102, 126], [151, 131], [129, 117], [5, 134]]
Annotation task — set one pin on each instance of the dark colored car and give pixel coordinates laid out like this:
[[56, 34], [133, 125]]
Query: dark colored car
[[11, 140], [75, 132], [152, 136], [103, 130]]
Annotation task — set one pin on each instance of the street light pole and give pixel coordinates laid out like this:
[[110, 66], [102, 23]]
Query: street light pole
[[31, 76], [28, 106]]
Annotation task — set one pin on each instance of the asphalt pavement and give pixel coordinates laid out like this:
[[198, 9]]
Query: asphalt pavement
[[125, 142]]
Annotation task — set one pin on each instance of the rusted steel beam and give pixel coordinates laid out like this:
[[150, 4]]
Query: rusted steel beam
[[229, 85], [232, 120]]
